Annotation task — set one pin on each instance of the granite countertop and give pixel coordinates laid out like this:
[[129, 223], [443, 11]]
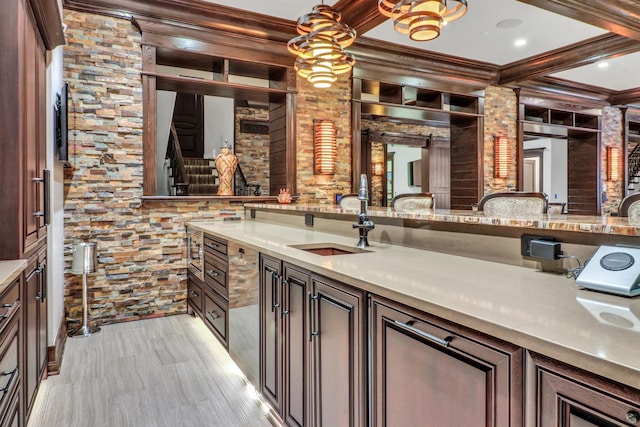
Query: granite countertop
[[574, 223], [10, 271], [543, 312]]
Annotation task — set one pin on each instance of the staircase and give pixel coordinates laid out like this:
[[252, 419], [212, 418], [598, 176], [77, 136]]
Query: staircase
[[201, 176], [634, 167]]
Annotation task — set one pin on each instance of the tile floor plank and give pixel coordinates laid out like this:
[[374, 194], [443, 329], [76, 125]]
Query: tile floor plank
[[169, 371]]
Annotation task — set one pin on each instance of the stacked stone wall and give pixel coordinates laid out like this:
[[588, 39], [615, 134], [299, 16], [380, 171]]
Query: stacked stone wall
[[252, 149]]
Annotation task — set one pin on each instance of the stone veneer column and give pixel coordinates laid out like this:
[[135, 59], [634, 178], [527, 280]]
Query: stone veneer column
[[323, 104], [501, 119], [612, 126], [252, 149], [140, 245]]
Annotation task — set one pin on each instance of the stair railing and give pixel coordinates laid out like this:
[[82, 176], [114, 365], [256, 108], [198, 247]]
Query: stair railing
[[634, 162], [174, 154], [242, 187]]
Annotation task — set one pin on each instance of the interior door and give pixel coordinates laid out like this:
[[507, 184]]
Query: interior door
[[188, 118]]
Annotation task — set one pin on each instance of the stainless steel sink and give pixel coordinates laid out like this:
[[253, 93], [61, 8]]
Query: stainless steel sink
[[328, 249]]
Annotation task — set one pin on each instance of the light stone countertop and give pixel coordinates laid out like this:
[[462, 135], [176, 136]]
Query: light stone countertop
[[573, 223], [9, 271], [542, 312]]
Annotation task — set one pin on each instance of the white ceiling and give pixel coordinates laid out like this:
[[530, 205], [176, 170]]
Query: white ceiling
[[476, 36]]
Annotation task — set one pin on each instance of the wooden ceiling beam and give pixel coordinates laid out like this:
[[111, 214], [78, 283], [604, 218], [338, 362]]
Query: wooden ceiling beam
[[575, 55], [362, 15], [617, 16]]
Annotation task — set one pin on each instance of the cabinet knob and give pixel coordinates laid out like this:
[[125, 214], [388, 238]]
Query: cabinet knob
[[212, 273], [633, 417]]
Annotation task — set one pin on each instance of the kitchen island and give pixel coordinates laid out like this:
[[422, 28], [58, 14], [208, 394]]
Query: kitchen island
[[543, 314]]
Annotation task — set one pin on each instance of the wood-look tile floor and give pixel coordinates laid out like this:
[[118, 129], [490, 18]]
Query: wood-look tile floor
[[168, 371]]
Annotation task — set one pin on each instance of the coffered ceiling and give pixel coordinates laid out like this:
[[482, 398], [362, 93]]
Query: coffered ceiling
[[585, 47], [582, 48]]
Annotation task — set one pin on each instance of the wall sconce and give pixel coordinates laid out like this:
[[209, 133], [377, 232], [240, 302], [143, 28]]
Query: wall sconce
[[501, 157], [613, 163], [378, 170], [324, 150]]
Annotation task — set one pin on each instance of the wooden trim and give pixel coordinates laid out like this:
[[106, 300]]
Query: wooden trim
[[574, 55], [362, 15], [49, 22], [569, 95], [625, 97], [617, 16], [406, 65], [193, 12], [291, 141], [56, 351]]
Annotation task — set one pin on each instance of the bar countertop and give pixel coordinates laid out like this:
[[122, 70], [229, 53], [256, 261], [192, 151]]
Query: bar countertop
[[10, 270], [622, 226], [542, 312]]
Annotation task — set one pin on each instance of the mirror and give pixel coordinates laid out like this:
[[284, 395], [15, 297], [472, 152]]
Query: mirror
[[545, 168]]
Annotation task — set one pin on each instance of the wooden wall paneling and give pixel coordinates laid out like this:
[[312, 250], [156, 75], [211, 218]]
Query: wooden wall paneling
[[465, 158], [277, 147], [583, 173]]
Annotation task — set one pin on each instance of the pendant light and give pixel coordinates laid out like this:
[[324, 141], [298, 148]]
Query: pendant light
[[320, 46], [422, 20]]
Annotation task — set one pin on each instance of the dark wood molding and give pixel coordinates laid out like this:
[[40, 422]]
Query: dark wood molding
[[420, 68], [362, 15], [193, 12], [568, 95], [617, 16], [626, 97], [571, 56], [49, 22], [56, 351]]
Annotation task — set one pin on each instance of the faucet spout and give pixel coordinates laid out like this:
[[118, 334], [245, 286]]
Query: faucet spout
[[364, 223]]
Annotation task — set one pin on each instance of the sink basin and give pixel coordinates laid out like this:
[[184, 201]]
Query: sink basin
[[329, 249]]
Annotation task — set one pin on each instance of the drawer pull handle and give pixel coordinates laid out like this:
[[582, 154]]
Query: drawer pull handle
[[212, 273], [9, 308], [212, 245], [211, 315], [13, 374], [194, 294], [312, 332], [633, 417], [443, 342]]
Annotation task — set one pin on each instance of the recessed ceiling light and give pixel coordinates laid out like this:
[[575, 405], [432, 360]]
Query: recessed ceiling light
[[520, 42], [509, 23], [603, 64]]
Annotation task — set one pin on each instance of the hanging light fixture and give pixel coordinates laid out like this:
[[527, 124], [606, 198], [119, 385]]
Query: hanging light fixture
[[320, 46], [422, 19], [501, 157], [324, 150]]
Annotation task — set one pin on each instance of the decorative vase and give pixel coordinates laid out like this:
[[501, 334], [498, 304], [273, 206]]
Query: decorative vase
[[284, 197]]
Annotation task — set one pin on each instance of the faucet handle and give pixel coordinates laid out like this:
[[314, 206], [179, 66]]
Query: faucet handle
[[363, 192]]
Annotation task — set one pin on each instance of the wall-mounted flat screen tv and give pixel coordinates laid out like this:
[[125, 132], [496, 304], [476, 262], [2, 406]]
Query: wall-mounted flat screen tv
[[61, 125]]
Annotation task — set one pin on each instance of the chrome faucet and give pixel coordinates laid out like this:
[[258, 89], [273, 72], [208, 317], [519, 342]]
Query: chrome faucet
[[364, 223]]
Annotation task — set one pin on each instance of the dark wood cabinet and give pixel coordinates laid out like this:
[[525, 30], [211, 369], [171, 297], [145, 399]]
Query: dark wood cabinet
[[339, 362], [271, 332], [10, 355], [195, 295], [565, 396], [312, 346], [214, 294], [35, 324], [427, 371]]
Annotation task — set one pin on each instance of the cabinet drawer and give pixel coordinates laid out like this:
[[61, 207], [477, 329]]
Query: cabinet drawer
[[215, 274], [9, 375], [215, 245], [9, 305], [194, 293], [215, 315]]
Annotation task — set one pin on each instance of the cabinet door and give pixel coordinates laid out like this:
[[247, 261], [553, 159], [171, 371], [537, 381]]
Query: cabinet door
[[429, 372], [270, 332], [41, 304], [296, 345], [559, 395], [31, 327], [195, 294], [338, 354]]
